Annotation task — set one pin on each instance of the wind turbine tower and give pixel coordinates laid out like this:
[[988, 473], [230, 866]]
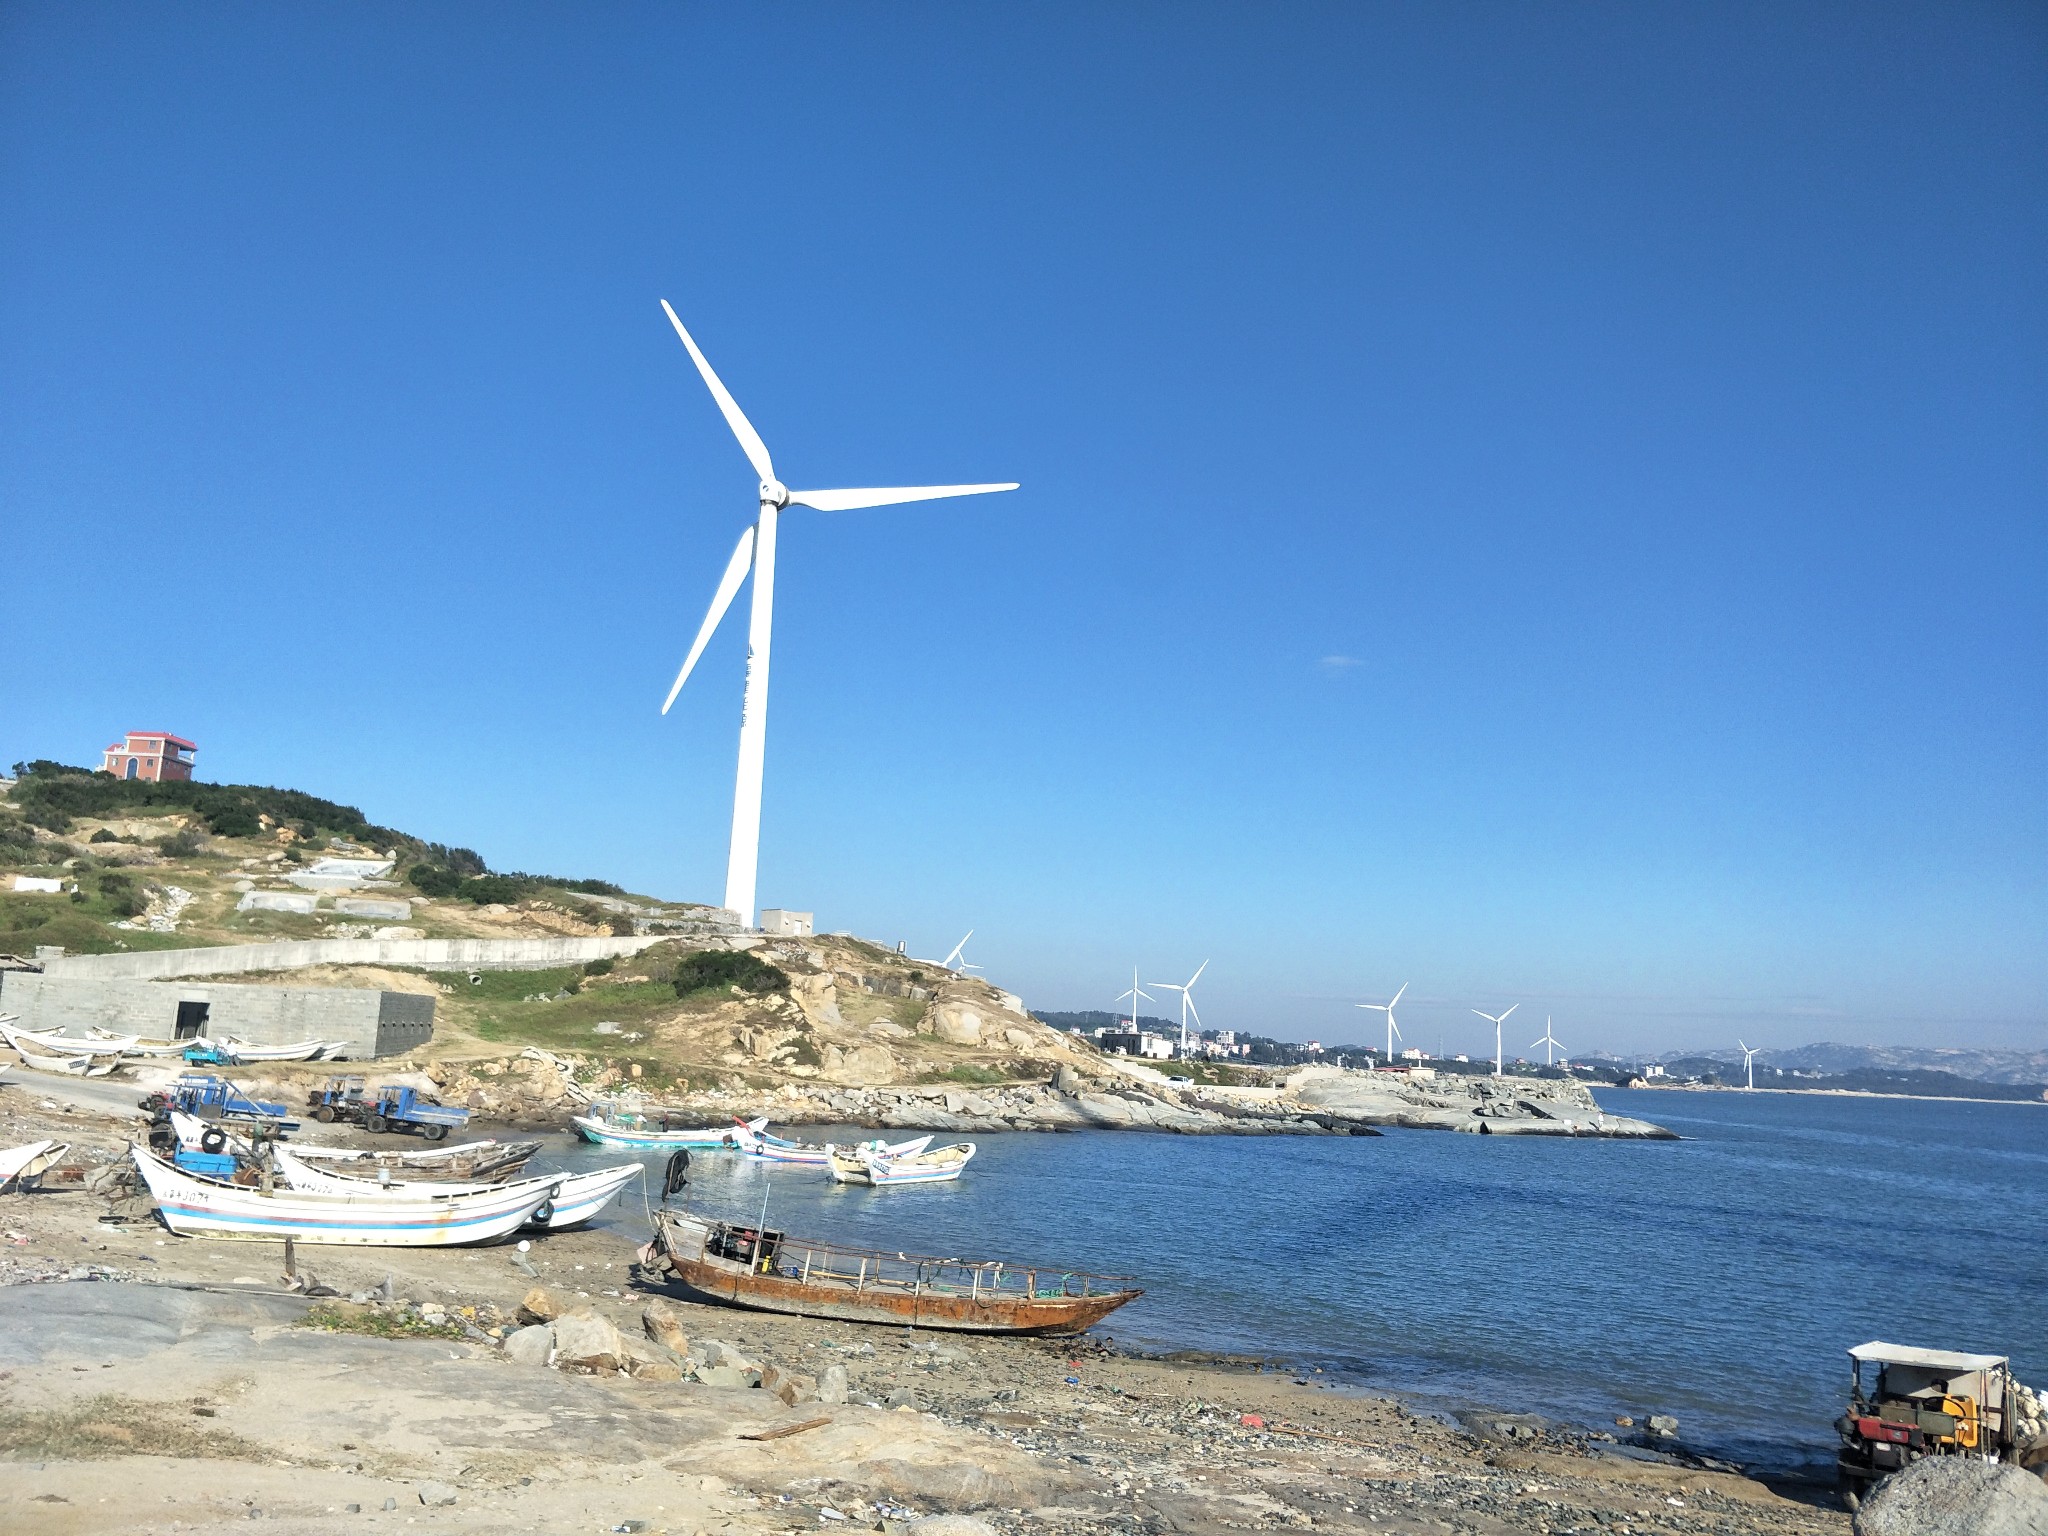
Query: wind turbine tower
[[1749, 1053], [1496, 1021], [1135, 996], [1549, 1042], [756, 552], [1393, 1030], [1187, 1004]]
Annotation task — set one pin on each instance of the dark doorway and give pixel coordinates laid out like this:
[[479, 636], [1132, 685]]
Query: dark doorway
[[191, 1020]]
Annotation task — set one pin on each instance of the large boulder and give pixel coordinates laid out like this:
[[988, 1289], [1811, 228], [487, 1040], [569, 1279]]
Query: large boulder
[[956, 1023], [530, 1346], [540, 1305], [584, 1341], [660, 1323], [1956, 1496]]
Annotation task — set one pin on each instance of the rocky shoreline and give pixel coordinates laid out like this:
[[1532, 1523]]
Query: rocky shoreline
[[151, 1383]]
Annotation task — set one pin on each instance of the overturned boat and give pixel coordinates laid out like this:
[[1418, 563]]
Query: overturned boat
[[21, 1167], [742, 1266]]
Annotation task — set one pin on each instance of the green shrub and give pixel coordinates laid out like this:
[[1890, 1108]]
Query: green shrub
[[121, 895], [598, 968], [182, 844], [103, 836], [234, 818], [721, 968], [434, 880]]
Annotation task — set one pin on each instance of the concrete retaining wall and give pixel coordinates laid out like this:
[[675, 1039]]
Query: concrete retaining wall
[[438, 954], [371, 1023]]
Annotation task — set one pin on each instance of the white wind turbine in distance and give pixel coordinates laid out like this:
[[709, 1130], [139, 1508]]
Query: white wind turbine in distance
[[1135, 995], [957, 960], [1496, 1021], [1749, 1063], [1549, 1042], [1187, 1003], [1393, 1030], [756, 551]]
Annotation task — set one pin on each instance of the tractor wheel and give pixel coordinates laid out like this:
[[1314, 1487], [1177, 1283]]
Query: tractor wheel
[[324, 1114], [435, 1132], [375, 1123]]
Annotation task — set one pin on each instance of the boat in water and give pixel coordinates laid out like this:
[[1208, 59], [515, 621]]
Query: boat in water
[[579, 1197], [192, 1206], [628, 1128], [733, 1265], [760, 1145], [939, 1165]]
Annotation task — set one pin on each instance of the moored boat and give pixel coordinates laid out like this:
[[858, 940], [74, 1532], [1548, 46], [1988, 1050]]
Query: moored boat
[[578, 1197], [767, 1271], [940, 1165], [760, 1145], [198, 1207], [624, 1128]]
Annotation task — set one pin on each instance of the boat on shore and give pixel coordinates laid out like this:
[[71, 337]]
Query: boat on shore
[[67, 1065], [198, 1207], [135, 1045], [740, 1266], [940, 1165], [482, 1162], [20, 1166], [243, 1050], [624, 1128], [27, 1041], [579, 1196]]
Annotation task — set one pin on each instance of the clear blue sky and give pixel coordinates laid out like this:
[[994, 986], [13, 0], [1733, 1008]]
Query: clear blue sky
[[1543, 503]]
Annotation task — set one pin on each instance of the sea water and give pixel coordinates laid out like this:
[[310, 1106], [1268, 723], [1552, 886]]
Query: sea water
[[1719, 1278]]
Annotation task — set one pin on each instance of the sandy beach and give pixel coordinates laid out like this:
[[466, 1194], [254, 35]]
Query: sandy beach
[[159, 1384]]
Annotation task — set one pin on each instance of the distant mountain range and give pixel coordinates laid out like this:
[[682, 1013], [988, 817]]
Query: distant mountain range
[[2012, 1067]]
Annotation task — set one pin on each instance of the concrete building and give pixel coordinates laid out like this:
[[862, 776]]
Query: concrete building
[[786, 925], [369, 1023], [149, 755]]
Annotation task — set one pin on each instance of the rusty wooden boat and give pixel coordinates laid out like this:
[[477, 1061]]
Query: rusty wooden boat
[[769, 1271]]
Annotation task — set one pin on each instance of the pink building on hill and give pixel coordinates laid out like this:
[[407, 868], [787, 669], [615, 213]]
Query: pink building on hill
[[149, 755]]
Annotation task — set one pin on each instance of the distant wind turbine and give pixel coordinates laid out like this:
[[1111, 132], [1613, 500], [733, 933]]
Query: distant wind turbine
[[1549, 1042], [1393, 1030], [756, 551], [1187, 1003], [1135, 995], [1749, 1063], [1496, 1021], [958, 955]]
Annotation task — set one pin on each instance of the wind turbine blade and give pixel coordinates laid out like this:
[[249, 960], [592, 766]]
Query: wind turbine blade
[[1511, 1008], [1487, 1016], [1193, 1012], [1395, 1028], [888, 495], [735, 572], [1398, 995], [1198, 974], [743, 429]]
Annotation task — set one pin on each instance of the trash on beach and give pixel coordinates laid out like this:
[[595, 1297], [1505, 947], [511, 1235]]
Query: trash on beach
[[784, 1431], [1251, 1421]]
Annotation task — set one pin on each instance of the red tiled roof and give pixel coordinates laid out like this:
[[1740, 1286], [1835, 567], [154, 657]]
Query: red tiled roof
[[176, 741]]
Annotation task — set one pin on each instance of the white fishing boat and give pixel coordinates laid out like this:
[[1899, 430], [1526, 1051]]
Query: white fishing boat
[[778, 1149], [243, 1050], [53, 1045], [18, 1165], [580, 1197], [938, 1166], [135, 1045], [196, 1207], [66, 1066], [485, 1161], [629, 1128]]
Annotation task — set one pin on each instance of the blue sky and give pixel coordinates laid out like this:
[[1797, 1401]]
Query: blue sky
[[1539, 503]]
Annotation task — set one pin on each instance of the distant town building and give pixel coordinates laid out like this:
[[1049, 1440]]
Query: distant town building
[[1654, 1069], [155, 755], [786, 925], [1130, 1042]]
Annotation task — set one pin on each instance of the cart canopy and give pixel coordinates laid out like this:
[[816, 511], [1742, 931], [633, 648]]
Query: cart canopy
[[1927, 1359]]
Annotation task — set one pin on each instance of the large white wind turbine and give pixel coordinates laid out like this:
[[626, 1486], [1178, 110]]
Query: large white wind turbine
[[959, 955], [756, 551], [1549, 1042], [1749, 1053], [1496, 1022], [1187, 1003], [1393, 1030]]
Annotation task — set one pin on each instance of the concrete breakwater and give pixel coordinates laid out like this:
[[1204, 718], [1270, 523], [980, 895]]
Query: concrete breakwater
[[541, 1087]]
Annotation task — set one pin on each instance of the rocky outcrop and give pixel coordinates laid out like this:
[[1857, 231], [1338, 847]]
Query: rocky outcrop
[[1956, 1496], [1485, 1106]]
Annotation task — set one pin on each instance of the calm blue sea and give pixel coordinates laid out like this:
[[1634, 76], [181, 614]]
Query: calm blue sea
[[1718, 1278]]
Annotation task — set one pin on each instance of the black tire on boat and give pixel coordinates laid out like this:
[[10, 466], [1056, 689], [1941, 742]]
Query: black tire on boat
[[324, 1114], [435, 1132], [213, 1139], [376, 1123]]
